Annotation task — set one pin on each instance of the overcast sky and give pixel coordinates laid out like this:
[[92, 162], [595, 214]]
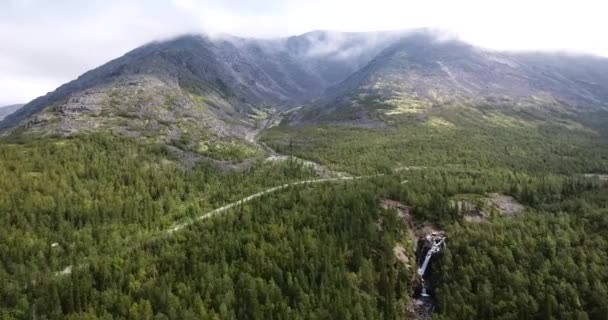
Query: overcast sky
[[44, 43]]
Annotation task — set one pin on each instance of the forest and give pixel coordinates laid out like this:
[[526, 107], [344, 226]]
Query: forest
[[84, 220], [280, 257]]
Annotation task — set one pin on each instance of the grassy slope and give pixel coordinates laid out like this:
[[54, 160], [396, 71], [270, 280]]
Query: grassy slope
[[521, 139]]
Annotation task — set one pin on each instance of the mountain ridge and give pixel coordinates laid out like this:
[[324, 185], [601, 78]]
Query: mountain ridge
[[202, 97], [419, 72], [194, 88]]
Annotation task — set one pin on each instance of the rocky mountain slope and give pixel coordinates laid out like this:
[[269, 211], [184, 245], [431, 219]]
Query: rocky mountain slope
[[420, 71], [197, 92], [6, 110]]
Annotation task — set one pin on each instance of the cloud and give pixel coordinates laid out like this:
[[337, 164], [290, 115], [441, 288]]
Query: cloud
[[46, 43], [50, 44]]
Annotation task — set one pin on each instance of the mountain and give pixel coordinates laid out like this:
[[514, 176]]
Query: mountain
[[196, 87], [429, 100], [7, 110], [421, 70], [196, 92]]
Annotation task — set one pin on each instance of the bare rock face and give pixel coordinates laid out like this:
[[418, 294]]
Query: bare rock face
[[401, 255], [139, 106], [505, 204], [85, 103], [480, 208]]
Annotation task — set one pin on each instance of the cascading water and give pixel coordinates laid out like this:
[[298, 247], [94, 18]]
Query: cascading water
[[436, 242], [423, 293], [425, 264]]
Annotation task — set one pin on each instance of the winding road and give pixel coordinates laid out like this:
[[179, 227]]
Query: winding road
[[274, 156], [259, 194]]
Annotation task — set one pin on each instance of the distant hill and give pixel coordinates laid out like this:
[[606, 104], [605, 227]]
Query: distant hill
[[7, 110]]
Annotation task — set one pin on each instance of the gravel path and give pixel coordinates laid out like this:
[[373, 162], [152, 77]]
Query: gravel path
[[259, 194]]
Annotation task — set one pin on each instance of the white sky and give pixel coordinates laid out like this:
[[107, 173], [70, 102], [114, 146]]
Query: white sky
[[44, 43]]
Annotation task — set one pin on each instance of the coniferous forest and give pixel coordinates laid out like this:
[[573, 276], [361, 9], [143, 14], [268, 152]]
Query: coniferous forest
[[85, 220]]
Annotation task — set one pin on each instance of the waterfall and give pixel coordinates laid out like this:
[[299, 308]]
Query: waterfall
[[424, 294], [437, 243], [422, 269], [433, 242]]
